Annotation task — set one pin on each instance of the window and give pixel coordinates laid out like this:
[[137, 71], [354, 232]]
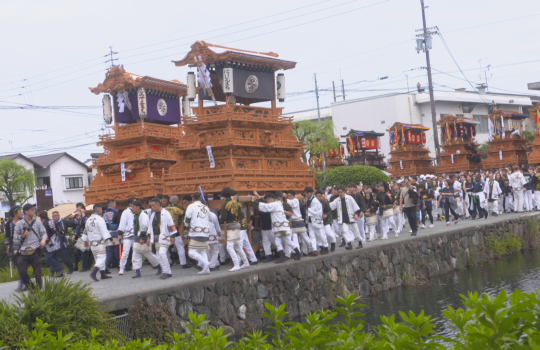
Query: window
[[74, 182], [44, 181], [483, 126]]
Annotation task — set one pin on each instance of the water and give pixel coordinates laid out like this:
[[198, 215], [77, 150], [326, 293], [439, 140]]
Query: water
[[521, 271]]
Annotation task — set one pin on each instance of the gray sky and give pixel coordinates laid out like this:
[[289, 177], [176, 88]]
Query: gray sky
[[58, 47]]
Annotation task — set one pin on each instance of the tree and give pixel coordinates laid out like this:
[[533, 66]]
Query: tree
[[17, 183], [482, 149], [343, 175], [529, 136], [311, 133]]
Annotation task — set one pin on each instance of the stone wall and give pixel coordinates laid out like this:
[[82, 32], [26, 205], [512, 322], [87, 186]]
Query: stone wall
[[236, 301]]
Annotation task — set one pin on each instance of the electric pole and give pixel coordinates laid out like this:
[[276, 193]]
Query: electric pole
[[319, 117], [334, 88], [112, 59], [425, 45]]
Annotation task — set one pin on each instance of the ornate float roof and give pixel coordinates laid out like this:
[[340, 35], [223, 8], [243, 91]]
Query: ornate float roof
[[211, 53], [399, 125], [364, 133], [117, 79], [452, 118], [497, 113], [535, 109]]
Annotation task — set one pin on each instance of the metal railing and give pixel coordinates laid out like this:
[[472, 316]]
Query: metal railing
[[122, 324]]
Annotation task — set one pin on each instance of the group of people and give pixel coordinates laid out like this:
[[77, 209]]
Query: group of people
[[291, 225]]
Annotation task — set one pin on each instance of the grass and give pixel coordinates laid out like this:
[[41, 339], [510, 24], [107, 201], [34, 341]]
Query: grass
[[532, 236], [508, 244], [5, 275]]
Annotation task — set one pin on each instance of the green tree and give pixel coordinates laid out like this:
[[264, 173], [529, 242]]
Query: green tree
[[482, 150], [312, 133], [343, 175], [17, 183], [529, 136]]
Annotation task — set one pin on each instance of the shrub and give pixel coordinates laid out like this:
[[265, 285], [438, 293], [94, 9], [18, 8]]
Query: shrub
[[65, 307], [151, 322], [508, 244], [343, 175]]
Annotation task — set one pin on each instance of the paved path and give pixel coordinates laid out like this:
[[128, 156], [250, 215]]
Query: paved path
[[124, 286]]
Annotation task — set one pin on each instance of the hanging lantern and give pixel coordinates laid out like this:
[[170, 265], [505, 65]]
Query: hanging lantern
[[141, 99], [227, 81], [107, 109], [192, 90], [280, 85], [186, 108]]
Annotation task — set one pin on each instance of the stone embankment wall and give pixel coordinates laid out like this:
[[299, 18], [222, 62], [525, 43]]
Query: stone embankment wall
[[236, 301]]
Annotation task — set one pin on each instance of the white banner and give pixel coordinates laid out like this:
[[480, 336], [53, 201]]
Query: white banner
[[227, 81], [502, 127], [452, 158], [401, 164], [491, 130], [500, 155], [210, 157], [141, 98], [123, 171]]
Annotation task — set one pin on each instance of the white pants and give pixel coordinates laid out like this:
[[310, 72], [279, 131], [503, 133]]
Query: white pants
[[537, 199], [518, 201], [528, 199], [223, 253], [126, 246], [200, 256], [164, 260], [353, 227], [398, 221], [372, 232], [317, 235], [466, 205], [100, 260], [179, 244], [267, 241], [330, 236], [213, 252], [493, 206], [137, 260], [285, 241], [386, 223], [509, 203], [361, 222], [235, 250], [244, 241], [286, 248], [306, 243]]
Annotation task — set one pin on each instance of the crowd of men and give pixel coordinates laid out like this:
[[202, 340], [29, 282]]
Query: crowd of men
[[291, 225]]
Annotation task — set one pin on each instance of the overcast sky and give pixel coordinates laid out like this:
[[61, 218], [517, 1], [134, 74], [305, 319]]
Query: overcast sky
[[52, 51]]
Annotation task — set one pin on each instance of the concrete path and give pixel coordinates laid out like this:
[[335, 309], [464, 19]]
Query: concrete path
[[124, 286]]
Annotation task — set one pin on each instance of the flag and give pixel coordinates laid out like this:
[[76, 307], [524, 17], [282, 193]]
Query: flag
[[455, 131], [403, 139], [448, 132], [490, 130], [443, 133], [353, 148], [391, 134], [396, 137], [502, 127]]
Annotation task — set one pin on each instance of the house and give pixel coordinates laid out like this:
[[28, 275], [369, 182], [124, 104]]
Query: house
[[64, 174]]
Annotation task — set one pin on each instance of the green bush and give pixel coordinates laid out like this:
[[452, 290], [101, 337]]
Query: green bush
[[343, 175], [151, 322], [508, 244], [487, 322], [65, 307]]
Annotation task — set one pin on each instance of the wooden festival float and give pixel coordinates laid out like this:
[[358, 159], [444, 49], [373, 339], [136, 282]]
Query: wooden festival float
[[363, 148], [141, 146], [332, 159], [534, 156], [409, 156], [459, 148], [506, 146], [229, 142]]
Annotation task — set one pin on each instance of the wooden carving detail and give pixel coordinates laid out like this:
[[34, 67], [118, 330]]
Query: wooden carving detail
[[278, 164], [248, 164], [116, 79]]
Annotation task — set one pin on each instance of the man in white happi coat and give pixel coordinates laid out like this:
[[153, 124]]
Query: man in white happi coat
[[493, 192], [125, 235], [280, 225], [213, 240], [142, 241], [298, 224], [347, 210], [197, 226], [162, 229], [244, 240], [96, 235], [317, 235], [517, 181]]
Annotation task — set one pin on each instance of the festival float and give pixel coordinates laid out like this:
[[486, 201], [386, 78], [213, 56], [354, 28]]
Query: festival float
[[507, 145], [332, 158], [534, 156], [139, 147], [408, 154], [459, 147], [363, 148]]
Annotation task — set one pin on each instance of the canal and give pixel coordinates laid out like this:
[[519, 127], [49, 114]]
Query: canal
[[521, 271]]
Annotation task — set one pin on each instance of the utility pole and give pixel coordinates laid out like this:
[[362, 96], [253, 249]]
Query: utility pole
[[334, 88], [319, 117], [111, 53], [407, 82], [343, 89], [425, 45]]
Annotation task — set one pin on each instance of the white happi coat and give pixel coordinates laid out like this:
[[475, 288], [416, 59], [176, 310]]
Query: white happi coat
[[352, 208], [199, 226], [215, 228], [496, 189], [144, 222], [96, 234], [165, 234], [277, 214], [315, 212], [517, 180], [126, 223], [295, 205]]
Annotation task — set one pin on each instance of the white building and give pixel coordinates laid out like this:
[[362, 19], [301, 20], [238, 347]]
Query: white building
[[378, 113]]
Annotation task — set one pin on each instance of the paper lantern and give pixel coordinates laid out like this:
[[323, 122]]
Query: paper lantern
[[192, 90], [107, 109], [186, 108], [280, 85]]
